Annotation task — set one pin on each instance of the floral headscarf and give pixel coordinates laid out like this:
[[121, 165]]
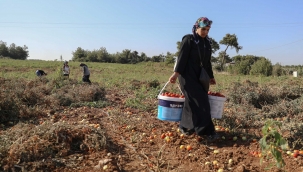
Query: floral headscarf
[[201, 22]]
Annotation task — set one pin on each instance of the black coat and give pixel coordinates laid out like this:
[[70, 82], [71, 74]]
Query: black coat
[[196, 110]]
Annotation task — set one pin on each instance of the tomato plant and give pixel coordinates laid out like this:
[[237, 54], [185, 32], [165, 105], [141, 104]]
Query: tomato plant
[[272, 141]]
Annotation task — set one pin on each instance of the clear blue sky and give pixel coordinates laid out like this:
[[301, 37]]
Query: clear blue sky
[[50, 28]]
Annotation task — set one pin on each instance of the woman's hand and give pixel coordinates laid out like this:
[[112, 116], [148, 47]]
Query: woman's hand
[[212, 81], [173, 77]]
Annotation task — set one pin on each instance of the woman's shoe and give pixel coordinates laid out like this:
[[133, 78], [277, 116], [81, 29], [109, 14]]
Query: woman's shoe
[[186, 131], [213, 137]]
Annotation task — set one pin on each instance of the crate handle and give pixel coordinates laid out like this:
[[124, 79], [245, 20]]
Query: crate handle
[[166, 85]]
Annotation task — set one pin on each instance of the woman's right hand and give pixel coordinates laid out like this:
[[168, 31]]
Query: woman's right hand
[[173, 77]]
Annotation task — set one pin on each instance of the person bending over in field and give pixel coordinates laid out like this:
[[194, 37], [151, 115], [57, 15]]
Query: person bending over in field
[[86, 73], [40, 73]]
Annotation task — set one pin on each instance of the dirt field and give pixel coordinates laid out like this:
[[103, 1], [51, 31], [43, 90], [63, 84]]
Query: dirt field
[[134, 143], [54, 125]]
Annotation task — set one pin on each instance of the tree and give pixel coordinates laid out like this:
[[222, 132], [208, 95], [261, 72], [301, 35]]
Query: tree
[[134, 57], [169, 58], [278, 70], [178, 48], [103, 55], [22, 52], [217, 60], [123, 57], [222, 55], [3, 49], [12, 51], [92, 56], [158, 58], [143, 57], [261, 67], [215, 46], [242, 67], [232, 42], [79, 55], [251, 58], [17, 52]]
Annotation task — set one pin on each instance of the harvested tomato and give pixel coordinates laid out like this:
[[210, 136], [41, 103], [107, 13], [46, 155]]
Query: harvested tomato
[[215, 94], [169, 94], [188, 147]]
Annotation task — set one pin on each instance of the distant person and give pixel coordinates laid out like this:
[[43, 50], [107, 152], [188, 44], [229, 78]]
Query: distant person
[[86, 73], [66, 69], [40, 73]]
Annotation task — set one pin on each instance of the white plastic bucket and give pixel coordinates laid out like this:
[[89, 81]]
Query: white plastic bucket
[[170, 108], [295, 73], [216, 106]]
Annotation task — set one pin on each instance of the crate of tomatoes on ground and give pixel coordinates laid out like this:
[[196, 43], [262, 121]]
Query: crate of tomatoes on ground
[[216, 101]]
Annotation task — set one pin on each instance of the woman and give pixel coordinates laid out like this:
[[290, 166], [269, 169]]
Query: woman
[[66, 69], [196, 111], [86, 73], [40, 73]]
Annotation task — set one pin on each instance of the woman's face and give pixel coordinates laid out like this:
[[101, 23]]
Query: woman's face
[[203, 31]]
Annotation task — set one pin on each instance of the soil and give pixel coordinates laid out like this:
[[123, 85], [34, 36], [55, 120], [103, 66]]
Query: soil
[[134, 143]]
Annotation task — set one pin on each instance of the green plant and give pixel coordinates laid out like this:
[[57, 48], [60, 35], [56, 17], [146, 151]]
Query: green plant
[[278, 70], [273, 142], [139, 100], [261, 67]]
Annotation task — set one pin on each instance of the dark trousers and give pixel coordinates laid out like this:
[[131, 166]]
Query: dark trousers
[[85, 78]]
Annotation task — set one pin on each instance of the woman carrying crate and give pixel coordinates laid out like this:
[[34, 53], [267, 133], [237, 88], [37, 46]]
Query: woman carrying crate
[[196, 115]]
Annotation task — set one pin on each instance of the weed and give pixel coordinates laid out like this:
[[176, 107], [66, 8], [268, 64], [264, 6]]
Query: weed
[[273, 142]]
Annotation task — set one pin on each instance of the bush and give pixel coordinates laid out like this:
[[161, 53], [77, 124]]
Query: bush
[[261, 67], [169, 60], [28, 99], [241, 67], [154, 84], [278, 70]]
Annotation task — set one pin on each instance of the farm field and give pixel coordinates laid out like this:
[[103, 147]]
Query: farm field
[[59, 124]]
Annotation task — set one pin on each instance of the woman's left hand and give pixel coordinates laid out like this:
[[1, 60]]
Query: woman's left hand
[[212, 81]]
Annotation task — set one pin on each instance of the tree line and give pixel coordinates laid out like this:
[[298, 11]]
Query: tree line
[[245, 65], [13, 51], [128, 56]]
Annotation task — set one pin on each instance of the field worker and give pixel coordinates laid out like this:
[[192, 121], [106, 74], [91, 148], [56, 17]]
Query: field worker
[[66, 69], [40, 73], [86, 73], [196, 115]]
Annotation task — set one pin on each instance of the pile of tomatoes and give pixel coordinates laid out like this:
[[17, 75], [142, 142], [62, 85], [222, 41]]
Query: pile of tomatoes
[[169, 94], [215, 94]]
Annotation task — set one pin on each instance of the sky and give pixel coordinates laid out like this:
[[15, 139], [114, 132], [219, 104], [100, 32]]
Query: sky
[[52, 28]]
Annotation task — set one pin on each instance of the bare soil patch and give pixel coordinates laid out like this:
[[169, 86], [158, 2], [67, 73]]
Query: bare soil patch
[[134, 143]]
